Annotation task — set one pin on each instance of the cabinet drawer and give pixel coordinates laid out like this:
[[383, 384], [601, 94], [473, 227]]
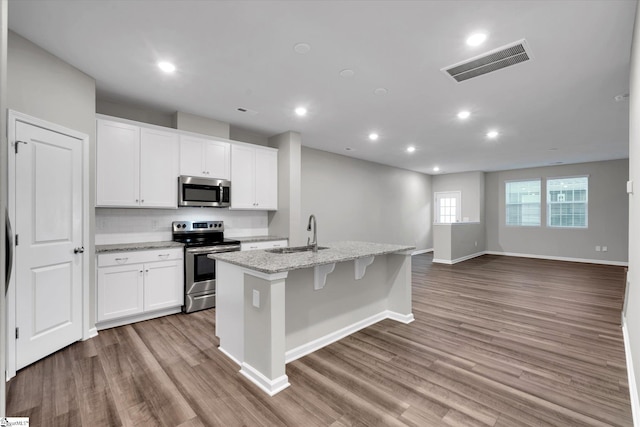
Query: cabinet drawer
[[252, 246], [138, 257]]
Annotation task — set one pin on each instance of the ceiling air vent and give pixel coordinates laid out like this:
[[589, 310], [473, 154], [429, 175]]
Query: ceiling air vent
[[502, 57]]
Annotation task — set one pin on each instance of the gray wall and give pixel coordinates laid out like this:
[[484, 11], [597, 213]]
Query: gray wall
[[200, 124], [3, 190], [133, 112], [608, 215], [632, 303], [359, 200], [471, 186], [286, 221], [44, 86]]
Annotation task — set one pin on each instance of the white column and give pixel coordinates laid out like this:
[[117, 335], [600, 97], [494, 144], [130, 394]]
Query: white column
[[264, 331]]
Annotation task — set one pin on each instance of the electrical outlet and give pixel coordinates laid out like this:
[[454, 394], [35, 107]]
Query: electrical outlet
[[256, 298], [604, 249], [597, 248]]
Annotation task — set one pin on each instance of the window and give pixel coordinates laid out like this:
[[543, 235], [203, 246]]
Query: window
[[522, 200], [447, 207], [567, 202]]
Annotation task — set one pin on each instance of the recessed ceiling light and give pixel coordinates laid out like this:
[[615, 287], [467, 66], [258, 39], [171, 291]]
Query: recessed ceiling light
[[464, 114], [301, 111], [302, 48], [373, 136], [436, 169], [411, 149], [347, 73], [380, 91], [492, 134], [476, 39], [167, 67]]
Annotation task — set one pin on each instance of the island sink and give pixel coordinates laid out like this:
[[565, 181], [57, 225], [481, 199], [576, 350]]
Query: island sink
[[294, 250]]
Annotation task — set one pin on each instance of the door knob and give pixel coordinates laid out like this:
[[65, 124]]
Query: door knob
[[79, 250]]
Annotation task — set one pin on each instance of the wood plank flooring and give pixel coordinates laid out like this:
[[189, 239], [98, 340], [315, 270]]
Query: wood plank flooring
[[497, 341]]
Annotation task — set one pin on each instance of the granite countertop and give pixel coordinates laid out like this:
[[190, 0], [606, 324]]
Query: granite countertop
[[267, 262], [123, 247], [251, 239]]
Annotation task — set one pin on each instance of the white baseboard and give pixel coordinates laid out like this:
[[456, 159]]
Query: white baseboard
[[226, 353], [421, 251], [317, 344], [633, 389], [93, 332], [457, 260], [560, 258], [271, 387], [137, 318]]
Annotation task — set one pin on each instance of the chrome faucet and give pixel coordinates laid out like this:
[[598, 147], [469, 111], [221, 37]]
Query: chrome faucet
[[315, 233]]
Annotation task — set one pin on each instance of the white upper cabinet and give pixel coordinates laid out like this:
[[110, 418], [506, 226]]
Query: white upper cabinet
[[136, 167], [204, 158], [158, 169], [254, 178], [118, 160]]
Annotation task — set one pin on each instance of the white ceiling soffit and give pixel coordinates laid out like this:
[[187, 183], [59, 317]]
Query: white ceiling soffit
[[496, 59]]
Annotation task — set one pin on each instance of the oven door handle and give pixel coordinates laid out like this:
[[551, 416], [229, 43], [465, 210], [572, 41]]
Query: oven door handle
[[213, 249]]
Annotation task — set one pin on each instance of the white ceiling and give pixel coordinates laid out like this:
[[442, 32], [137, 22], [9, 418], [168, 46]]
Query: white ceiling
[[558, 107]]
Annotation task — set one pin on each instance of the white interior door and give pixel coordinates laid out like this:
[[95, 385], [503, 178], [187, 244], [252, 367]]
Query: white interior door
[[48, 225]]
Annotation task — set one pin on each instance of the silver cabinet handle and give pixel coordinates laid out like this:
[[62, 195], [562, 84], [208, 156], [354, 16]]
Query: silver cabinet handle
[[164, 255], [79, 250], [122, 261]]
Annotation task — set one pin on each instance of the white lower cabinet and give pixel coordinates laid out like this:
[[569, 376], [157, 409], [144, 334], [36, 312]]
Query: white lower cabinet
[[138, 285], [269, 244]]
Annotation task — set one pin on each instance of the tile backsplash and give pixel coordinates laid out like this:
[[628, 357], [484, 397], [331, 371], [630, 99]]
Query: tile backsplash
[[150, 225]]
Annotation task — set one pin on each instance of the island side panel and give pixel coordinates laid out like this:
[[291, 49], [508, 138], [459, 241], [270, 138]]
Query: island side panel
[[399, 298], [344, 305], [264, 332], [230, 310]]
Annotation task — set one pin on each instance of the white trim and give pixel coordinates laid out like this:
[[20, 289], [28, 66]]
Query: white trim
[[457, 260], [560, 258], [226, 353], [91, 333], [13, 117], [271, 387], [137, 318], [421, 251], [633, 389], [317, 344]]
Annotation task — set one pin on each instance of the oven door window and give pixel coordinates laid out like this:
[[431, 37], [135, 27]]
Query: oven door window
[[204, 268]]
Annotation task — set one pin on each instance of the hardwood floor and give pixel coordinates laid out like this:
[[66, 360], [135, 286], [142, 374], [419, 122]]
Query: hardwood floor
[[497, 341]]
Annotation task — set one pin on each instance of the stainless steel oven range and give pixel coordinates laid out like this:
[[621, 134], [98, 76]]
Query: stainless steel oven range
[[200, 239]]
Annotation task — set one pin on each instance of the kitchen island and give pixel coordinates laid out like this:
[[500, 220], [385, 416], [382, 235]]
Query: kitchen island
[[273, 308]]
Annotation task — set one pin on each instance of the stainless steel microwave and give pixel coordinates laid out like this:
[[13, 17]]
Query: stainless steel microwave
[[203, 192]]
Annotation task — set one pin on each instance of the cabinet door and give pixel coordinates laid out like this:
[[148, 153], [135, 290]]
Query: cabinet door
[[163, 285], [159, 165], [266, 179], [191, 161], [117, 164], [243, 177], [216, 155], [120, 291]]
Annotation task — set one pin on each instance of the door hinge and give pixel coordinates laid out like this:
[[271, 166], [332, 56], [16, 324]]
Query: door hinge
[[17, 333], [17, 239]]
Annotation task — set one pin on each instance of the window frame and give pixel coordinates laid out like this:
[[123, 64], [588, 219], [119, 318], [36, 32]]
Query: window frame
[[549, 204], [436, 204], [506, 204]]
